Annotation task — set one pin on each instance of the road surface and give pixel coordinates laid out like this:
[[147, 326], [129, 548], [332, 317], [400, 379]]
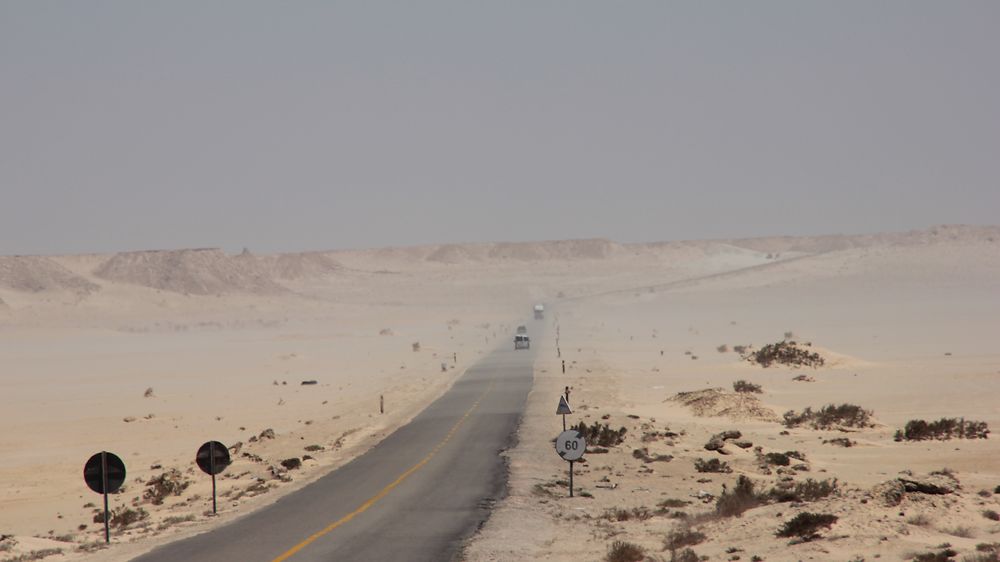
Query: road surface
[[416, 496]]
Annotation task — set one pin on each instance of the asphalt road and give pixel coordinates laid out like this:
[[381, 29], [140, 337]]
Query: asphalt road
[[416, 496]]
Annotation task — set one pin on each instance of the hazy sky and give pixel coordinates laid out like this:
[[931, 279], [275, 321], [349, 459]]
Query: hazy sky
[[313, 125]]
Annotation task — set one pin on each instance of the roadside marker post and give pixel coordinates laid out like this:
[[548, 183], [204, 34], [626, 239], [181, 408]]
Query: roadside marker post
[[104, 473], [212, 458], [570, 445]]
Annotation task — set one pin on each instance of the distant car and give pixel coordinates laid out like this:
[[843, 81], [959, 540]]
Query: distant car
[[539, 312], [522, 330], [522, 341]]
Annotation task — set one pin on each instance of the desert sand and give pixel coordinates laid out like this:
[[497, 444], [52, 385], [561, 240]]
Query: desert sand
[[150, 354]]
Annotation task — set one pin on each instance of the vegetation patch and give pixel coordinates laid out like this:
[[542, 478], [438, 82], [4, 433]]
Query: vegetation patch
[[682, 538], [746, 386], [787, 353], [169, 483], [943, 429], [806, 526], [601, 435], [712, 465], [830, 416], [742, 497], [621, 551]]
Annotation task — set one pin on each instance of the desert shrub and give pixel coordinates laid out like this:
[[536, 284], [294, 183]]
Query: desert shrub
[[829, 416], [741, 349], [808, 491], [982, 557], [943, 556], [675, 503], [722, 348], [619, 514], [840, 441], [991, 515], [777, 459], [682, 538], [127, 516], [943, 429], [806, 526], [712, 465], [622, 551], [920, 520], [601, 434], [170, 483], [963, 532], [741, 498], [686, 555], [745, 386], [785, 353]]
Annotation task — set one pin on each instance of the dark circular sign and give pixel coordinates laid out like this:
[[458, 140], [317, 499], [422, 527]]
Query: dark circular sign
[[104, 467], [212, 457]]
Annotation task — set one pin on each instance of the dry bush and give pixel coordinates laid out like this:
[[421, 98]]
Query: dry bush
[[416, 346], [943, 429], [600, 434], [808, 491], [945, 555], [712, 465], [683, 537], [622, 551], [722, 348], [840, 441], [919, 520], [785, 353], [745, 386], [686, 555], [619, 514], [830, 416], [741, 498], [169, 483], [960, 531], [123, 518], [806, 526]]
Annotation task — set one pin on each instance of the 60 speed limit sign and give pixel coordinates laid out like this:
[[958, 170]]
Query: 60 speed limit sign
[[571, 445]]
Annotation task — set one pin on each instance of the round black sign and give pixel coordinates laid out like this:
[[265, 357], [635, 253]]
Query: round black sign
[[104, 467], [212, 457]]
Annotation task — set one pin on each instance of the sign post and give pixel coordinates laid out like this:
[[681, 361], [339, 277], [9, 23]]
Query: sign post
[[104, 473], [212, 458], [571, 445], [563, 409]]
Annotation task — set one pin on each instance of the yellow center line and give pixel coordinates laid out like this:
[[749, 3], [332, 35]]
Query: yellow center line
[[384, 491]]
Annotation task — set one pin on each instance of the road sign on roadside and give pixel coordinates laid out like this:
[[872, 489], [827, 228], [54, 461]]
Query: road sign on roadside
[[571, 445], [212, 458], [563, 408], [104, 473]]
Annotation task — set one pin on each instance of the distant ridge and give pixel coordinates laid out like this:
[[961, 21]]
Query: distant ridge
[[198, 271], [34, 274]]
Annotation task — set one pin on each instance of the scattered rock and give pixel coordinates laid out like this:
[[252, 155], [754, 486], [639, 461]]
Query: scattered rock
[[266, 434], [309, 382]]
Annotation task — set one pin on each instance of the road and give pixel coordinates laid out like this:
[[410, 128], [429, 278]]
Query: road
[[415, 496]]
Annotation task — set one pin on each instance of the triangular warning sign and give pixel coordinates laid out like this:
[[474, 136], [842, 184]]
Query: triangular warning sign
[[563, 407]]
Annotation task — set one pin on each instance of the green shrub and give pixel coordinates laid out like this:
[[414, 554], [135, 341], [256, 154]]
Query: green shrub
[[785, 353]]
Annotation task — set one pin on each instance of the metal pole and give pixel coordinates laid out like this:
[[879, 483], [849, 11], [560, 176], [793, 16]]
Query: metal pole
[[564, 422], [564, 366], [104, 488], [571, 479], [381, 404], [211, 465]]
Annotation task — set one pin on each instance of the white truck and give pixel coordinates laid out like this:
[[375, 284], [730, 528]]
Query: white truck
[[539, 311]]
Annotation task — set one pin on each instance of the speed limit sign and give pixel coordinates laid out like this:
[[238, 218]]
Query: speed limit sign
[[571, 445]]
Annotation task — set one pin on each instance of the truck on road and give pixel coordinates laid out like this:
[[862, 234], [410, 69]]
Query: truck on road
[[539, 312]]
